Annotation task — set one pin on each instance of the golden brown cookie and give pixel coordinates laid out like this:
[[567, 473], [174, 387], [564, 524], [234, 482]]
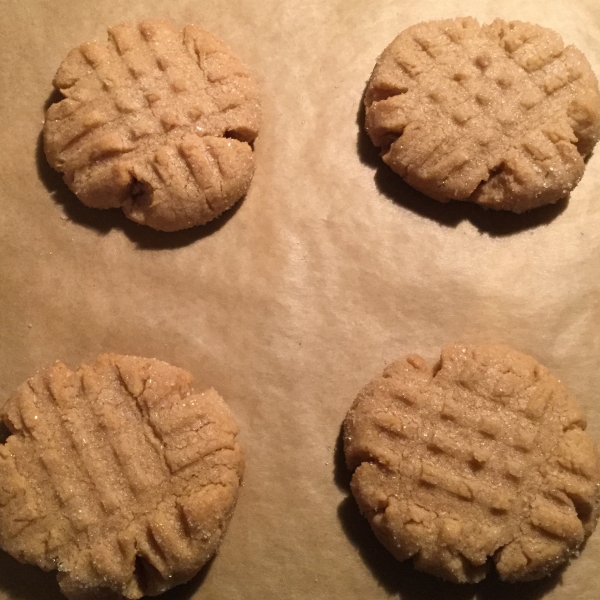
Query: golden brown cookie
[[481, 459], [502, 115], [158, 122], [118, 476]]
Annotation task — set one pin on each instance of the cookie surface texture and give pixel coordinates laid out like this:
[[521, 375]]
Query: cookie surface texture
[[118, 476], [481, 460], [502, 115], [159, 122]]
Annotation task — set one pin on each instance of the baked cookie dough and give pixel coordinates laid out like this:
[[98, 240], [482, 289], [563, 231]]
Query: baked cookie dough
[[118, 476], [157, 122], [481, 459], [502, 114]]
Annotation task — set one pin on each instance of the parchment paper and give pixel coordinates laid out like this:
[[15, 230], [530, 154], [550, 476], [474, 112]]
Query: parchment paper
[[288, 305]]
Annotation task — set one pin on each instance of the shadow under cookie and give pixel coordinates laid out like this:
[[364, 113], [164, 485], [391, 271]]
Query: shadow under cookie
[[341, 474], [394, 576], [104, 220], [403, 579], [449, 214], [186, 591], [26, 582]]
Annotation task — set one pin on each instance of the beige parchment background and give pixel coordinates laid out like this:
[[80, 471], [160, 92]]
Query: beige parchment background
[[329, 269]]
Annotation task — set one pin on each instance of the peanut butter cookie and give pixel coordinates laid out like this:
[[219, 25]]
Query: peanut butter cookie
[[117, 476], [479, 460], [502, 115], [158, 122]]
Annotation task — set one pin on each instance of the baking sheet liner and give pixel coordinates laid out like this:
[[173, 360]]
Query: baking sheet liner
[[328, 270]]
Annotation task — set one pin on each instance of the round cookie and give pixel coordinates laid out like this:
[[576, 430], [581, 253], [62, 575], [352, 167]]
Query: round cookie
[[502, 114], [117, 476], [157, 122], [479, 460]]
